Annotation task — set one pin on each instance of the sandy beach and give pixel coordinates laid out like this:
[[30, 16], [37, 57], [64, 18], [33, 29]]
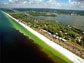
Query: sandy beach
[[71, 56]]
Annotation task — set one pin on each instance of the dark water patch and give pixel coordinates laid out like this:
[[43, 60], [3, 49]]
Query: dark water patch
[[16, 48]]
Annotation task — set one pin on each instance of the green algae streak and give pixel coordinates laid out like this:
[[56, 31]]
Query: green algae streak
[[52, 53]]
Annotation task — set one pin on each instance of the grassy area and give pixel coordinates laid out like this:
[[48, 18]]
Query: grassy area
[[35, 13], [55, 55]]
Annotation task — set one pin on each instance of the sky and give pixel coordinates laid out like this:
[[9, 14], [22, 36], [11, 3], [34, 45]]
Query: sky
[[54, 4]]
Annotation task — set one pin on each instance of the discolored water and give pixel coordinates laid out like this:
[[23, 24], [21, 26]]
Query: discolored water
[[17, 48]]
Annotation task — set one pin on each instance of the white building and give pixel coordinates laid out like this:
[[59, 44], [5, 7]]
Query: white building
[[54, 36], [64, 40]]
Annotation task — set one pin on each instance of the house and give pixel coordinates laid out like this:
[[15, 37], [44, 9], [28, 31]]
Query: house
[[83, 32], [48, 33], [54, 36], [44, 31], [56, 33], [65, 33], [59, 38], [60, 31], [64, 40]]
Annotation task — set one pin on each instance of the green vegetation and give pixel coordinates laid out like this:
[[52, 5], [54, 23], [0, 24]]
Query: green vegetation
[[58, 11], [35, 13], [65, 31], [55, 55]]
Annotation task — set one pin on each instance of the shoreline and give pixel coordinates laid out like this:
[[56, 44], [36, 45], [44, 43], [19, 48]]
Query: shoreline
[[74, 58]]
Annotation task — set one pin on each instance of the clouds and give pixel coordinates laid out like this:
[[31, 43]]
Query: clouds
[[69, 1], [76, 4], [10, 0], [32, 4], [80, 0], [17, 1]]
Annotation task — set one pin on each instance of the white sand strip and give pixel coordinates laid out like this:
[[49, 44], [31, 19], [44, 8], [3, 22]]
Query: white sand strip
[[71, 56]]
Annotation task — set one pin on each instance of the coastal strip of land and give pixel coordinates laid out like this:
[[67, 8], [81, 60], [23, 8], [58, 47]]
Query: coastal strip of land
[[68, 54]]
